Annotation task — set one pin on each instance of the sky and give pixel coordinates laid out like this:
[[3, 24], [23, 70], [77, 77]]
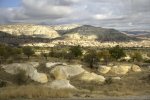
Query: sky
[[118, 14]]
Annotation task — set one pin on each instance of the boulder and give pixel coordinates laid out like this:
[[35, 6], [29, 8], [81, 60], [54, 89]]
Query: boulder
[[74, 70], [149, 67], [33, 64], [121, 69], [104, 69], [116, 78], [53, 64], [38, 77], [89, 77], [60, 84], [59, 73], [30, 69], [135, 68], [65, 72]]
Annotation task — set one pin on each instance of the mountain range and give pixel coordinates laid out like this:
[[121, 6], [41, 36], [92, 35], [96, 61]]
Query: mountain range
[[24, 33]]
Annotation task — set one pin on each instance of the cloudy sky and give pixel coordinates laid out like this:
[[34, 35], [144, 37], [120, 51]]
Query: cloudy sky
[[119, 14]]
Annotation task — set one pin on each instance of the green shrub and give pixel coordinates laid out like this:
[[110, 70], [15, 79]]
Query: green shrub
[[91, 58], [28, 51], [136, 57], [108, 81], [21, 78], [76, 51], [117, 52], [3, 83]]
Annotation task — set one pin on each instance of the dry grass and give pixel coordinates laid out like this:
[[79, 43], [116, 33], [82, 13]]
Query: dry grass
[[31, 91], [130, 84]]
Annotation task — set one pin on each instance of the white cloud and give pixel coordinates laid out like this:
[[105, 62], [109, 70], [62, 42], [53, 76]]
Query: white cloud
[[105, 13], [100, 17]]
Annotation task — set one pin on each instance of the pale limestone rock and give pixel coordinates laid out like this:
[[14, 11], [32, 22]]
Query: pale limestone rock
[[65, 27], [121, 69], [39, 77], [60, 84], [65, 72], [127, 58], [116, 78], [59, 73], [89, 77], [73, 70], [52, 64], [136, 68], [30, 69], [149, 67], [104, 69]]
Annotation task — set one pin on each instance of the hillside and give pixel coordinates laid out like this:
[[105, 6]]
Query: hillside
[[20, 39], [64, 34], [87, 32], [29, 30], [61, 29], [139, 33]]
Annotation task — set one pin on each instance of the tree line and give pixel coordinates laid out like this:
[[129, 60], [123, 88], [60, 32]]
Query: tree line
[[89, 56]]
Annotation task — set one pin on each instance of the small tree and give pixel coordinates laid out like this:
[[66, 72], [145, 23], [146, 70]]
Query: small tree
[[105, 55], [4, 53], [117, 52], [21, 77], [91, 58], [16, 53], [52, 53], [28, 51], [76, 51], [45, 55], [136, 57]]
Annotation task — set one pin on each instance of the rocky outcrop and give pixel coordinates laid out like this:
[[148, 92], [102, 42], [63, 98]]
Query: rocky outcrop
[[124, 69], [91, 77], [30, 69], [59, 73], [60, 84], [104, 69], [65, 72], [116, 78], [120, 69], [136, 68], [30, 30], [64, 28], [53, 64]]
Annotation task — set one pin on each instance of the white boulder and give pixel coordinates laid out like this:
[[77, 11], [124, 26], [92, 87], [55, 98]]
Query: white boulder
[[64, 72], [121, 69], [104, 69], [116, 78], [60, 84], [52, 64], [38, 77], [30, 69], [73, 70], [136, 68], [89, 77], [59, 73]]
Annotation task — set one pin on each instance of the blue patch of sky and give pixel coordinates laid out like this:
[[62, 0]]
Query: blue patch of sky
[[9, 3]]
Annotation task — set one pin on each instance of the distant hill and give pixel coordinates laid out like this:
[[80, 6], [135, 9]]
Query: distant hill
[[21, 39], [30, 30], [138, 33], [64, 28], [97, 33], [27, 33]]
